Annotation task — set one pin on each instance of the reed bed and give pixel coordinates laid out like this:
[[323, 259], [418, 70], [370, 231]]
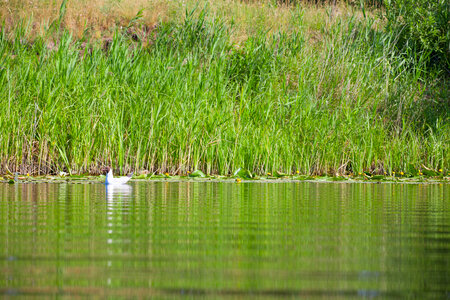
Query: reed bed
[[188, 95]]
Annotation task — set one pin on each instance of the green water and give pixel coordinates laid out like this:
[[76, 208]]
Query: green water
[[225, 240]]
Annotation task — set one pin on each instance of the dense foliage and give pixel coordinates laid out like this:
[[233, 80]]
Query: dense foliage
[[423, 29], [191, 98]]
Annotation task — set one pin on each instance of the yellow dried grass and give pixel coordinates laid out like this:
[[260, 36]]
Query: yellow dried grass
[[101, 17]]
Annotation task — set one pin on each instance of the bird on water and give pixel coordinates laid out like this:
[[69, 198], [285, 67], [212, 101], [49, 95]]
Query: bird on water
[[110, 180]]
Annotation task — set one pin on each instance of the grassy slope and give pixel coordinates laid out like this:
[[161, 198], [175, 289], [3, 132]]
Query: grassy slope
[[315, 93]]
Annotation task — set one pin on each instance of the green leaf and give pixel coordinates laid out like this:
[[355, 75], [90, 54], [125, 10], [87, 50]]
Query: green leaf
[[197, 173], [142, 176], [280, 174], [243, 173], [158, 176], [412, 170], [428, 172]]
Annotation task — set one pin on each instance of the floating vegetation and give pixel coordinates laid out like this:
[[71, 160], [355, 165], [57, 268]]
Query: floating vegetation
[[197, 173], [243, 173], [239, 176]]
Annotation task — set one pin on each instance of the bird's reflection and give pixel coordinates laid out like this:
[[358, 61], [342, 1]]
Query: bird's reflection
[[116, 195]]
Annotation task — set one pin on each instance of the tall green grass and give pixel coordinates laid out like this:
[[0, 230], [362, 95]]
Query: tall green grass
[[193, 99]]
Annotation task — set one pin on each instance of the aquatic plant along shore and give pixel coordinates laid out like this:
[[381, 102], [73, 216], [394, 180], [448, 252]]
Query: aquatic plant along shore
[[328, 96], [358, 178]]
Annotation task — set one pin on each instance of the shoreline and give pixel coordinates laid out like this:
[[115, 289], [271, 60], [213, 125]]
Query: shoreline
[[225, 179]]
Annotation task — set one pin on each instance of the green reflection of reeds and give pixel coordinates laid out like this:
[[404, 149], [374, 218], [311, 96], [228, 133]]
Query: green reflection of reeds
[[224, 239]]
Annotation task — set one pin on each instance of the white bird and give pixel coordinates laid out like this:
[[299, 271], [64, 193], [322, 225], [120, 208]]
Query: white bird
[[116, 181]]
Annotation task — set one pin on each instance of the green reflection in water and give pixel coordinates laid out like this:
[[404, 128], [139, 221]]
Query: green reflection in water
[[225, 240]]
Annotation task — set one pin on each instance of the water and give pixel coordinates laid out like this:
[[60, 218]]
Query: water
[[225, 240]]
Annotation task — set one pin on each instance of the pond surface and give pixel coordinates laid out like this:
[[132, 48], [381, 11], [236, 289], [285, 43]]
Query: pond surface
[[225, 240]]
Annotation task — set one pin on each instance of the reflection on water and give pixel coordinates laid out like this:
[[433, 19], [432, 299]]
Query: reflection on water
[[115, 193], [225, 240], [116, 197]]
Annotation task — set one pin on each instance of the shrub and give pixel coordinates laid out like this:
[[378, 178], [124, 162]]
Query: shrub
[[422, 27]]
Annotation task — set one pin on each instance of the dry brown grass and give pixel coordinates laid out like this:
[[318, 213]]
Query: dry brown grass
[[100, 17]]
